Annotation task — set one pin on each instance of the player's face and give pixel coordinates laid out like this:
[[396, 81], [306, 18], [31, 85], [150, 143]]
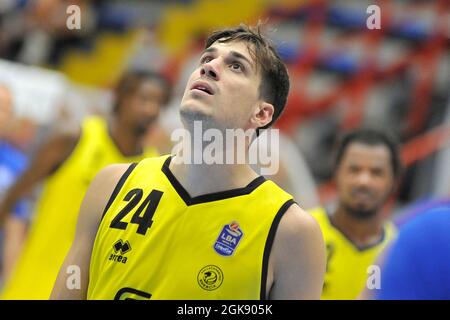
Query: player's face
[[364, 179], [224, 87], [142, 107]]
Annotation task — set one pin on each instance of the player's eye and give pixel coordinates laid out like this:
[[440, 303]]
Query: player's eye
[[237, 66], [377, 172], [205, 59], [353, 169]]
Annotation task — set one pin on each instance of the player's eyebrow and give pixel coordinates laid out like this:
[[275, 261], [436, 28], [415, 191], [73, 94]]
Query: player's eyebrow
[[232, 52]]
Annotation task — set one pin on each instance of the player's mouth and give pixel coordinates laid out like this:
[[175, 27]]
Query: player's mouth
[[203, 87]]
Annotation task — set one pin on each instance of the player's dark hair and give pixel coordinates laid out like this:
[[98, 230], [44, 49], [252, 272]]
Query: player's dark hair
[[274, 86], [131, 80], [370, 137]]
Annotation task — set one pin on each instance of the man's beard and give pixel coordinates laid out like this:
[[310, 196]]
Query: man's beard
[[196, 123], [360, 213], [189, 117], [207, 134], [142, 128]]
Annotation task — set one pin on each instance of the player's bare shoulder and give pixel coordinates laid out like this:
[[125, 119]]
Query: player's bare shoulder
[[102, 188], [297, 224], [297, 229], [111, 174], [108, 180], [297, 260]]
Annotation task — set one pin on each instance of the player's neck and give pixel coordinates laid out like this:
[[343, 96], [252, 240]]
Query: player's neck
[[200, 179], [126, 141], [362, 233]]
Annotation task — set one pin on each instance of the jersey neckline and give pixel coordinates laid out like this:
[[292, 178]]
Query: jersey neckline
[[347, 238], [209, 197]]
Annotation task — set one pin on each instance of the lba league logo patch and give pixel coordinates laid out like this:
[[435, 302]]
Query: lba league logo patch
[[228, 239]]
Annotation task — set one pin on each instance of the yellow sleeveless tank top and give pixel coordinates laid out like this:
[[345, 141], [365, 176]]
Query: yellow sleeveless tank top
[[53, 228], [157, 242], [347, 265]]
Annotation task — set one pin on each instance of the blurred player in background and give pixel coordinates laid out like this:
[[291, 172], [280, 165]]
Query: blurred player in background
[[12, 163], [68, 161], [202, 231], [366, 169]]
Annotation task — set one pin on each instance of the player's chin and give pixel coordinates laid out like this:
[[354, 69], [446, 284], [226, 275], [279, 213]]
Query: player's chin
[[363, 206], [192, 102], [364, 210], [143, 126], [195, 111]]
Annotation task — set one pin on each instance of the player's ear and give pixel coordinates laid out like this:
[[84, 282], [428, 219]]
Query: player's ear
[[263, 114]]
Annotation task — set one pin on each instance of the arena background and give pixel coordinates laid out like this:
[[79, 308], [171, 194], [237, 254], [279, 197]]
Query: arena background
[[343, 75]]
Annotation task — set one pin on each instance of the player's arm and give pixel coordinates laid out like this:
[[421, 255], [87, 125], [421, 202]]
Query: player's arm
[[91, 210], [297, 260], [49, 156]]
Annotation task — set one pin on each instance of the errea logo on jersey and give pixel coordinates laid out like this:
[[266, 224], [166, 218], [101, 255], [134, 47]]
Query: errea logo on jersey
[[120, 248]]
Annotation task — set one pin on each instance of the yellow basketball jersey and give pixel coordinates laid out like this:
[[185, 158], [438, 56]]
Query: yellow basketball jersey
[[53, 228], [155, 241], [347, 264]]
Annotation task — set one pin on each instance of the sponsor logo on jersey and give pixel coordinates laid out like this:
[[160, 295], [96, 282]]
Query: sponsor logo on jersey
[[120, 248], [228, 239], [210, 277]]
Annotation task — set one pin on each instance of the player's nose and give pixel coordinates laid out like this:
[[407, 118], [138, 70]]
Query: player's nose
[[210, 70]]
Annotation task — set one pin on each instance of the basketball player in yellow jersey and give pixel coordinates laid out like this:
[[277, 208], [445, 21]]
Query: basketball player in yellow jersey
[[69, 162], [168, 229], [367, 166]]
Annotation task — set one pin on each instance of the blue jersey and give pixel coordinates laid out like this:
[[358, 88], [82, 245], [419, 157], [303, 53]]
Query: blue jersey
[[12, 163], [418, 264]]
